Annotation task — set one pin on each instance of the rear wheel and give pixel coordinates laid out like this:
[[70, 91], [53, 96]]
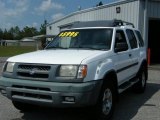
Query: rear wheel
[[140, 86]]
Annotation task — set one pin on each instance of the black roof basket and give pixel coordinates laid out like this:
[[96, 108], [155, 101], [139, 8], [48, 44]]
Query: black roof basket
[[100, 23]]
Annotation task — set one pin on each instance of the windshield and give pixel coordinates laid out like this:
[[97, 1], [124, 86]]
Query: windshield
[[98, 39]]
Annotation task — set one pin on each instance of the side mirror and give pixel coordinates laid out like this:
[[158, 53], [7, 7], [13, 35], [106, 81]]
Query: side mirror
[[121, 47]]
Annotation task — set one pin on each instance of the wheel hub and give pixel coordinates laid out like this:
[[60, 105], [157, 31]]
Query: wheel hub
[[143, 80], [107, 101]]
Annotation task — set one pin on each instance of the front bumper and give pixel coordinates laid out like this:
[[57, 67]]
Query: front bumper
[[51, 93]]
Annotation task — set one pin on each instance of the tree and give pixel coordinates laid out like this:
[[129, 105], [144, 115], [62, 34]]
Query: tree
[[7, 35], [1, 33], [16, 34], [29, 31], [43, 28], [10, 33]]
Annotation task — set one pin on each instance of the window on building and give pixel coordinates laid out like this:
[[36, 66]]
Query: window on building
[[50, 27]]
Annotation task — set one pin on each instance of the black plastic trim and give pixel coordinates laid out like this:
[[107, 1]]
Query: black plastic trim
[[126, 67]]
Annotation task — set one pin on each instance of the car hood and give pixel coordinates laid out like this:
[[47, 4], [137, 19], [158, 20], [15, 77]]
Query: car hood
[[55, 56]]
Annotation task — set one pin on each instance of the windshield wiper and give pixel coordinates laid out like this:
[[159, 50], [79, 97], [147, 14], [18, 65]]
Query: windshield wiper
[[92, 48], [53, 47], [88, 48]]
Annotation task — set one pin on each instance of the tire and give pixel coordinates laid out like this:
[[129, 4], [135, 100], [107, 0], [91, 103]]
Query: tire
[[140, 86], [106, 103], [23, 106]]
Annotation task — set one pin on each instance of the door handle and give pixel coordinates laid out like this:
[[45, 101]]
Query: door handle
[[130, 55]]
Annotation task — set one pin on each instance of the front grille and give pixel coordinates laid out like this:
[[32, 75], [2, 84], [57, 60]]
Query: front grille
[[34, 72], [30, 95], [31, 88], [30, 67], [35, 75]]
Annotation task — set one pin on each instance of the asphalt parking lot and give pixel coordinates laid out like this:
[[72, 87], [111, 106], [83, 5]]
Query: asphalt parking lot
[[131, 106]]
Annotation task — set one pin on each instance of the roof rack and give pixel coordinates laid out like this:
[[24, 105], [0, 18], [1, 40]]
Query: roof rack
[[100, 23], [122, 23]]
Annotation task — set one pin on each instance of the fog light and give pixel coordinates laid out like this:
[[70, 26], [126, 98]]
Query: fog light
[[69, 99]]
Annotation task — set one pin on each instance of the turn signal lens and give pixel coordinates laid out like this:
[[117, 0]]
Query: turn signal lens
[[82, 71]]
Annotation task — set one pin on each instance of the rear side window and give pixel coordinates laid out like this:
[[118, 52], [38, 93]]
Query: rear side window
[[132, 39], [141, 42]]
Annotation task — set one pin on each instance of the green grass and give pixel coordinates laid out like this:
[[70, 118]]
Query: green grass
[[8, 51]]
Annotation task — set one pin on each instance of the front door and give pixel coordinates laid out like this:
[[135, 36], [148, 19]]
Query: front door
[[123, 58]]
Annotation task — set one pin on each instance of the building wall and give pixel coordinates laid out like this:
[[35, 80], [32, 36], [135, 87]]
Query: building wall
[[8, 42], [32, 43], [129, 12], [154, 9], [153, 12], [141, 17]]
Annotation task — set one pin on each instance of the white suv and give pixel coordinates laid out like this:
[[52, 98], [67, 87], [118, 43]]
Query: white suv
[[86, 65]]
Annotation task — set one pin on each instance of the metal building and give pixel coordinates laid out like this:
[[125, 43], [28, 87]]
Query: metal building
[[144, 14]]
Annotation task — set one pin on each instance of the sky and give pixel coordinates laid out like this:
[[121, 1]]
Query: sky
[[32, 13]]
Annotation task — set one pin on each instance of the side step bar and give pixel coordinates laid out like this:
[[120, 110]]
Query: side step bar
[[126, 85]]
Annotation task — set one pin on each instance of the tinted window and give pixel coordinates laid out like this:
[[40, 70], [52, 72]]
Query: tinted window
[[141, 42], [120, 39], [132, 39]]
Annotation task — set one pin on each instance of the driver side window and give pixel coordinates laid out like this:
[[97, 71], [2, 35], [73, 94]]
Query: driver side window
[[120, 41]]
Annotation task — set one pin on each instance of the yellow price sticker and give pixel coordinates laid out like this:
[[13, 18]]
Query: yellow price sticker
[[68, 34]]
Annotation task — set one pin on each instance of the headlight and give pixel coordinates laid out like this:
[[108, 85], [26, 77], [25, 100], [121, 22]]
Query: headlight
[[9, 67], [73, 71], [68, 71]]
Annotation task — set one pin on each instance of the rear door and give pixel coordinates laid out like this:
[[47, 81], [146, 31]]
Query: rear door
[[134, 54]]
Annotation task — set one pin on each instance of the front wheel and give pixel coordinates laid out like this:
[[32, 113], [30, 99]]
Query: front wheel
[[106, 103]]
